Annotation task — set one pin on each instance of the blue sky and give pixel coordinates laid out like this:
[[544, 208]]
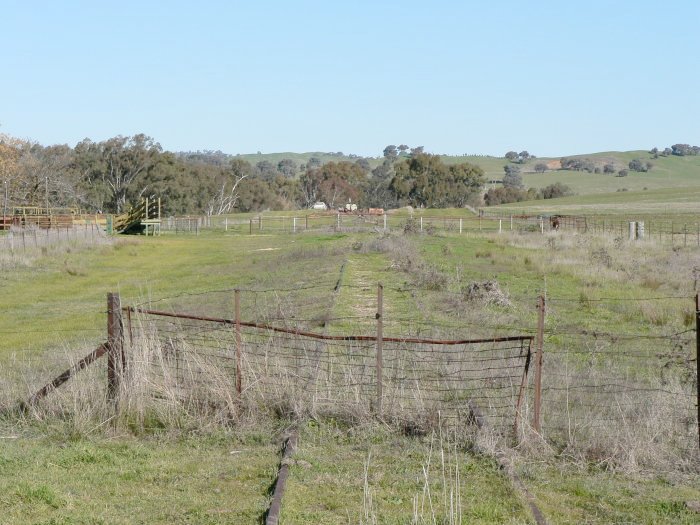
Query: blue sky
[[554, 78]]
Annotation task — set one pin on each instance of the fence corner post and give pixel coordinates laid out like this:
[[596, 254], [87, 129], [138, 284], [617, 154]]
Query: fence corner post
[[538, 363], [380, 347], [115, 346], [239, 350]]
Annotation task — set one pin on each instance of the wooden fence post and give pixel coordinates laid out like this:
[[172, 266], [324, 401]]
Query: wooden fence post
[[239, 350], [115, 346], [380, 346], [538, 363]]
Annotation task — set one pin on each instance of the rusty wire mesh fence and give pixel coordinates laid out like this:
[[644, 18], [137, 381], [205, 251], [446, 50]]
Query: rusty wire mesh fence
[[301, 372], [606, 396], [625, 397]]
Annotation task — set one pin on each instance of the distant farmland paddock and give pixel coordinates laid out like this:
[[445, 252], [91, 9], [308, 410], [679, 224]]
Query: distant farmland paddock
[[666, 203]]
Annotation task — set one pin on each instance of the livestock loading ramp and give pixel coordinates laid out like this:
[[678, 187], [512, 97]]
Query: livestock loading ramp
[[142, 218]]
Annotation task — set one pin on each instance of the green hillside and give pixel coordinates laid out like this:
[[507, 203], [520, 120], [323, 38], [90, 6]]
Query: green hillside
[[660, 202], [671, 186], [668, 172]]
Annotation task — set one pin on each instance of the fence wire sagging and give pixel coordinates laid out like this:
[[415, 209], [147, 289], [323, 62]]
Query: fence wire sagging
[[406, 379]]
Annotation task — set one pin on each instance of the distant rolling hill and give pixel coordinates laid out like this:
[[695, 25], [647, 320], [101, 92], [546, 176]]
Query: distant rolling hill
[[671, 186]]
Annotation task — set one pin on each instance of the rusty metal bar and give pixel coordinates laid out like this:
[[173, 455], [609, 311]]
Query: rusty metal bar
[[65, 376], [130, 327], [521, 392], [538, 363], [239, 349], [380, 346], [273, 513], [314, 335]]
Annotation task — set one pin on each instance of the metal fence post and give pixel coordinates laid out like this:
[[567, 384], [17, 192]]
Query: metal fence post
[[521, 392], [538, 363], [239, 350], [115, 346], [380, 345], [697, 357]]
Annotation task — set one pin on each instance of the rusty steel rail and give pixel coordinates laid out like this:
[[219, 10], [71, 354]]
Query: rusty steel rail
[[65, 376], [314, 335], [272, 515], [476, 418]]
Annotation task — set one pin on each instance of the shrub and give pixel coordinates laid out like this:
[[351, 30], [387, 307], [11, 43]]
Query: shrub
[[555, 190]]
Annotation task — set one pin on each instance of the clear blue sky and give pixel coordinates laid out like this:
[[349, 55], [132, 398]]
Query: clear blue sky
[[555, 78]]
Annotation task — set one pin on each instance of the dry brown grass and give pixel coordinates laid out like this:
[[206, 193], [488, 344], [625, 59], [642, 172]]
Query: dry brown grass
[[21, 248]]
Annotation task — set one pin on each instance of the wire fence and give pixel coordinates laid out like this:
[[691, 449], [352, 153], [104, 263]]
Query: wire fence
[[354, 222], [674, 233], [638, 227], [411, 379], [28, 239], [600, 392], [620, 395], [623, 395]]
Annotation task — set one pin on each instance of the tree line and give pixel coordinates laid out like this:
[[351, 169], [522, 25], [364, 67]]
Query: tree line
[[110, 175]]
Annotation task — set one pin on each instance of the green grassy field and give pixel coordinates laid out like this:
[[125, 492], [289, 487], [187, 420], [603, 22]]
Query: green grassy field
[[214, 479], [53, 307], [664, 203]]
